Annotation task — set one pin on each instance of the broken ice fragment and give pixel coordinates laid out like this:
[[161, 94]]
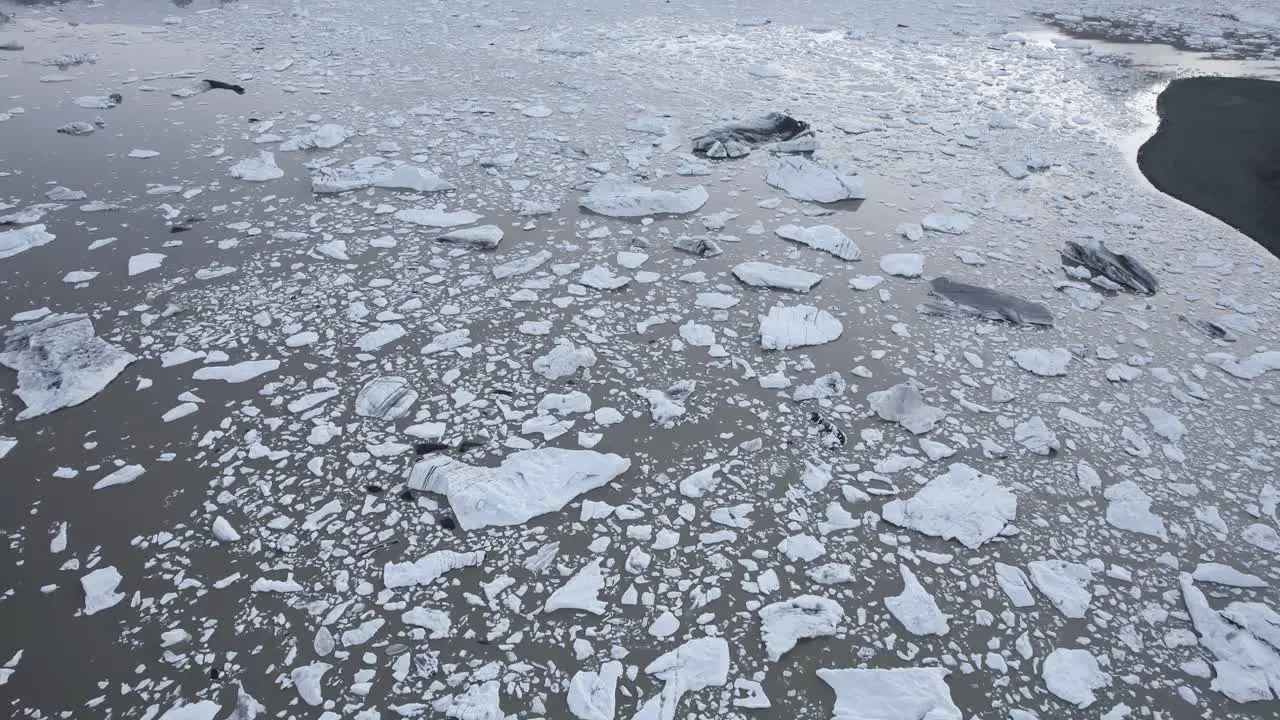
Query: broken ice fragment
[[564, 360], [257, 169], [615, 197], [1036, 437], [785, 623], [949, 224], [954, 298], [1250, 368], [904, 404], [964, 504], [145, 262], [306, 680], [525, 485], [1014, 583], [431, 217], [429, 568], [701, 482], [1064, 583], [1121, 269], [238, 373], [827, 238], [892, 694], [592, 695], [1043, 362], [697, 664], [916, 609], [324, 137], [804, 179], [365, 173], [580, 591], [907, 265], [122, 476], [787, 327], [1073, 674], [385, 398], [763, 274], [60, 362], [1220, 574], [100, 589], [13, 242], [1130, 509]]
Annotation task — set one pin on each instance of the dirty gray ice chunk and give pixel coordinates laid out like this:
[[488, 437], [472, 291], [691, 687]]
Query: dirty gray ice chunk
[[787, 327], [13, 242], [907, 265], [697, 664], [916, 609], [1015, 584], [1130, 509], [1250, 368], [77, 128], [952, 297], [615, 197], [257, 169], [737, 138], [783, 624], [1066, 584], [827, 238], [428, 568], [699, 245], [763, 274], [915, 693], [964, 504], [100, 589], [593, 695], [804, 179], [828, 386], [904, 404], [483, 237], [1043, 362], [60, 362], [666, 406], [1121, 269], [1247, 669], [1073, 675], [580, 592], [525, 485], [386, 398], [1036, 437]]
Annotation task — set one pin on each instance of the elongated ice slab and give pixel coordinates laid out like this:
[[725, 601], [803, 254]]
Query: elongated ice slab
[[787, 327], [527, 483], [957, 298], [827, 238], [619, 198], [804, 179], [429, 568], [763, 274]]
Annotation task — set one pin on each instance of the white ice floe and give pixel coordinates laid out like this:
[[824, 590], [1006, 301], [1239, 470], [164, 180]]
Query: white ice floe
[[903, 404], [329, 135], [1015, 584], [701, 482], [223, 530], [79, 276], [763, 274], [580, 591], [963, 504], [697, 664], [804, 179], [783, 624], [615, 197], [237, 373], [1250, 368], [787, 327], [145, 262], [481, 237], [1262, 536], [1248, 666], [1036, 437], [1073, 675], [428, 568], [1066, 584], [593, 694], [13, 242], [564, 360], [1041, 361], [827, 238], [1129, 508], [950, 224], [526, 484], [601, 277], [260, 168], [916, 609], [891, 694], [432, 217], [60, 362], [385, 398], [7, 444], [1165, 424], [480, 701], [520, 265], [1220, 574], [122, 476], [306, 681], [369, 172], [202, 710], [100, 589], [907, 265]]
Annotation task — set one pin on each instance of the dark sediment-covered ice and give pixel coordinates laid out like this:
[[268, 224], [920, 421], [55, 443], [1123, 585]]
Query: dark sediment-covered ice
[[1121, 269], [958, 298], [1218, 148], [737, 138]]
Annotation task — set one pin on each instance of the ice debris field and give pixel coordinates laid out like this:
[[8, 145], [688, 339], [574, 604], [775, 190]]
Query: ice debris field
[[387, 360]]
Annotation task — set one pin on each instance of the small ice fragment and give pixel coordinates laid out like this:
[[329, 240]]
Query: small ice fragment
[[1064, 583], [482, 237], [429, 568], [122, 476], [904, 404], [580, 591], [911, 693], [386, 398]]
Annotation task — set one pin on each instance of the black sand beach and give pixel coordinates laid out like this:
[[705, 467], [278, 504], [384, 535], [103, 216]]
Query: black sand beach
[[1218, 149]]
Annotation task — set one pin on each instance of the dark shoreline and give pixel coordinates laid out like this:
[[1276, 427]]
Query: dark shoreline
[[1218, 149]]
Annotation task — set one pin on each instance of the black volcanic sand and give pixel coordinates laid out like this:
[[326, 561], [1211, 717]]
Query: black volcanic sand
[[1218, 149]]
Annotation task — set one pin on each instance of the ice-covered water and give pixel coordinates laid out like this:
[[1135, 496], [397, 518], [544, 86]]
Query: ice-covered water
[[419, 425]]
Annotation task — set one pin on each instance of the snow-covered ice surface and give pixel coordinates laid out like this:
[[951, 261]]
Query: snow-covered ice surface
[[491, 398]]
